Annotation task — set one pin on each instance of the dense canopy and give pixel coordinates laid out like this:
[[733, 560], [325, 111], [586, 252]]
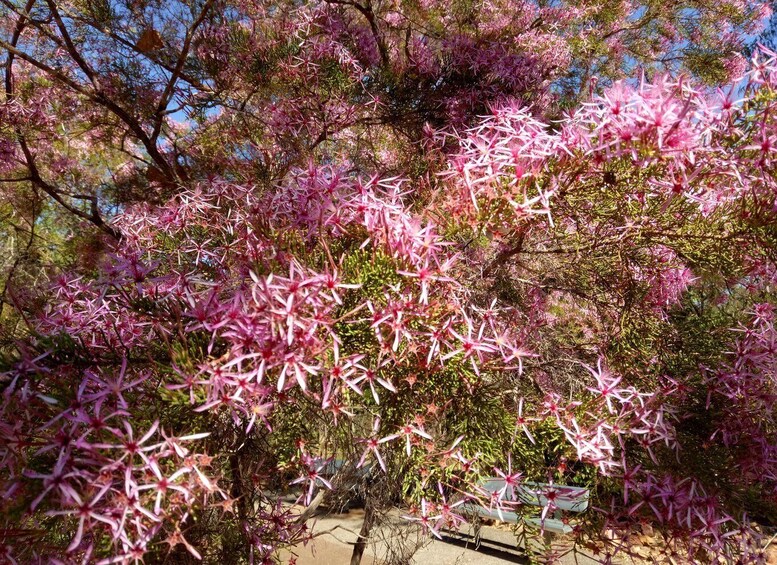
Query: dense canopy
[[426, 243]]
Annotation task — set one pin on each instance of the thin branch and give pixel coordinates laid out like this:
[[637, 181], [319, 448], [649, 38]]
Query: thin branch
[[176, 72], [94, 217], [193, 81], [369, 15], [17, 32], [70, 46]]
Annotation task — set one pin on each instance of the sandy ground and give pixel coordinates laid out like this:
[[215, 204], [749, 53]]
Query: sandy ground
[[338, 533]]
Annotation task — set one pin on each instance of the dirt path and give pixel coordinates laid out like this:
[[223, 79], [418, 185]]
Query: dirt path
[[339, 533]]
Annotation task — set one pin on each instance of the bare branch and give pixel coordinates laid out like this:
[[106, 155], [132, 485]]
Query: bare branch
[[176, 73]]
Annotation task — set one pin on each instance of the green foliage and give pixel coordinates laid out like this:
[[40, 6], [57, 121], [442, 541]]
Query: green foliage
[[707, 65], [375, 272]]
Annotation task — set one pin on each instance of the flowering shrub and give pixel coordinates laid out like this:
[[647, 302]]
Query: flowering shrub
[[586, 301]]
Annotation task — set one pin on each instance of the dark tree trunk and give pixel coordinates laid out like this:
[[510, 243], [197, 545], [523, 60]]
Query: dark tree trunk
[[364, 533]]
